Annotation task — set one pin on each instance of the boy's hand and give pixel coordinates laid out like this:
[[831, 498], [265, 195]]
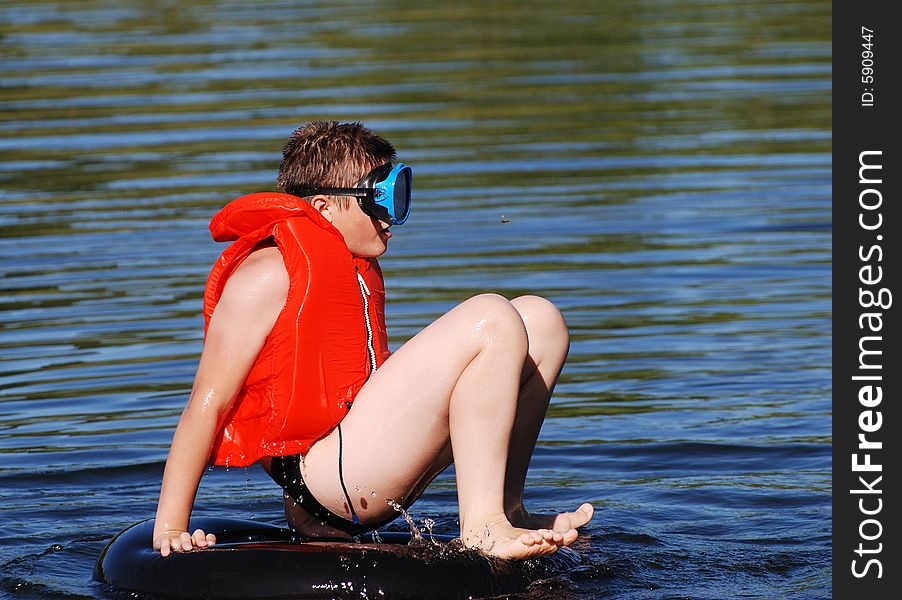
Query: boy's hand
[[181, 541]]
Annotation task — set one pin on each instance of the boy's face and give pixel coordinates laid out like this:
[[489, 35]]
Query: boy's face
[[365, 236]]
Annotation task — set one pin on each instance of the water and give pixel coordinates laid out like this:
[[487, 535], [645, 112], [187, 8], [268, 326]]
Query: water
[[661, 170], [416, 537]]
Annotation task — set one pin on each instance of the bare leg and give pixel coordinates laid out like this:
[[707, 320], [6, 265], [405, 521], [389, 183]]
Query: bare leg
[[456, 382], [549, 342]]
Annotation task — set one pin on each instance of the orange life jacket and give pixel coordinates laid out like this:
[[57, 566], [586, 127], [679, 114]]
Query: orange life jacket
[[325, 343]]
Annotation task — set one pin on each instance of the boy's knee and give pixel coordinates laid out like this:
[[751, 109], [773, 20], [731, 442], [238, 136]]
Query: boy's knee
[[494, 315], [542, 317]]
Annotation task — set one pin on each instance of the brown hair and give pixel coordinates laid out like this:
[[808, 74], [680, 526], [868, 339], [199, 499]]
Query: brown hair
[[330, 154]]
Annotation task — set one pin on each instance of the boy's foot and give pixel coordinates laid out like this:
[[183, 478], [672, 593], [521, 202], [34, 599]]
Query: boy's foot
[[560, 522], [501, 539]]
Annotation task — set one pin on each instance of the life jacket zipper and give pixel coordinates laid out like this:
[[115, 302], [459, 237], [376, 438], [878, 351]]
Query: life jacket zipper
[[371, 351], [370, 348]]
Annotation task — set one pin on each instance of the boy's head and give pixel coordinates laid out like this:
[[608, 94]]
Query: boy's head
[[329, 154]]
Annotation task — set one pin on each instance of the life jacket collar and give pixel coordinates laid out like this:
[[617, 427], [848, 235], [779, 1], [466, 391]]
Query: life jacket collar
[[251, 212]]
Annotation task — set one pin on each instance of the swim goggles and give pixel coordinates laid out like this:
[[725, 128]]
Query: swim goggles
[[383, 193]]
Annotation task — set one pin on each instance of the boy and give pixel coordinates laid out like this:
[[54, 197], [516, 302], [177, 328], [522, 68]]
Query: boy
[[295, 337]]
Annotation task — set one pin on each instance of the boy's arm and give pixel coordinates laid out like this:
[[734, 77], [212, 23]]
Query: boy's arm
[[251, 301]]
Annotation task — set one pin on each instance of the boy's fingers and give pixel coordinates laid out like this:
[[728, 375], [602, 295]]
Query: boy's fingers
[[199, 538], [185, 541], [164, 546]]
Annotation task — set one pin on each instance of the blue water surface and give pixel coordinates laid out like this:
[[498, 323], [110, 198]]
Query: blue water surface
[[659, 169]]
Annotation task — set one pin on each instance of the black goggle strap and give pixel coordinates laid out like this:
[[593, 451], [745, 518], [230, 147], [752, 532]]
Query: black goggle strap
[[334, 191]]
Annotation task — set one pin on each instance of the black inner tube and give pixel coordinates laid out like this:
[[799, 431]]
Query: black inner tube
[[256, 560]]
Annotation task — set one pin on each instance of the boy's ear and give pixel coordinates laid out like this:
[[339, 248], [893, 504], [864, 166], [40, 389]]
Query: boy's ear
[[322, 204]]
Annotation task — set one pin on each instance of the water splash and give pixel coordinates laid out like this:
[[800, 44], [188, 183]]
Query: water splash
[[416, 537], [487, 542], [429, 524]]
